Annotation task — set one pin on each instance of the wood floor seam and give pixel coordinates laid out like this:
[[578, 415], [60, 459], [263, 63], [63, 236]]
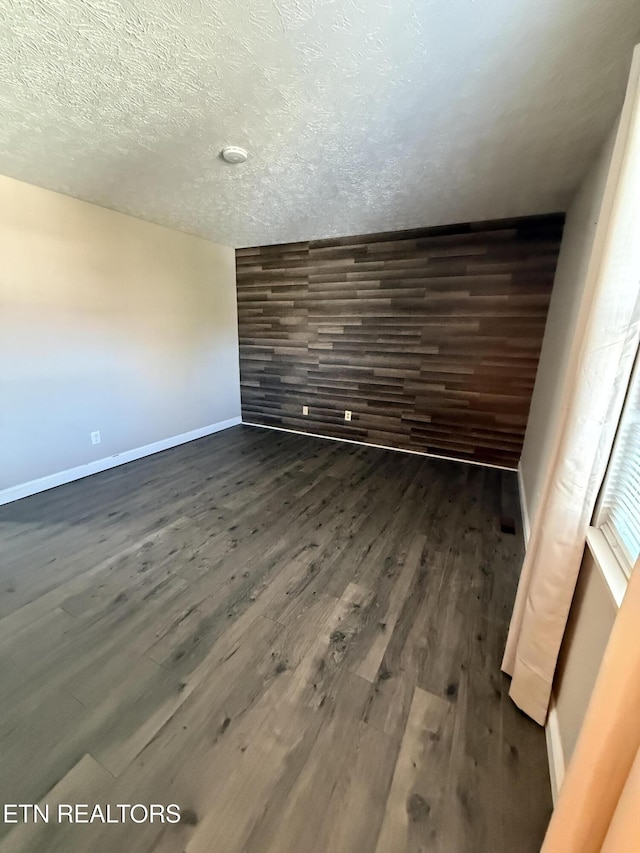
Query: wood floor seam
[[297, 641]]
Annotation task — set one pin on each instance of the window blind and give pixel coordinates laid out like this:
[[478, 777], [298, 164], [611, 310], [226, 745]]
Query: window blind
[[619, 506]]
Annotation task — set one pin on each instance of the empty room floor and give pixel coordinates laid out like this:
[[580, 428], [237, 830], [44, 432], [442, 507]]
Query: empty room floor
[[297, 641]]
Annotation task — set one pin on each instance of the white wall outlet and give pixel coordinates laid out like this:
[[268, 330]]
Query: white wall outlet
[[347, 415], [305, 410], [95, 437]]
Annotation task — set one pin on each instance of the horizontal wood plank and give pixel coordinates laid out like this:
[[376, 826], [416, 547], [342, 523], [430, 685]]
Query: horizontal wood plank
[[430, 337]]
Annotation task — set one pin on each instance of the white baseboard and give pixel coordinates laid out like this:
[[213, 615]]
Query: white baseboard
[[15, 493], [380, 446], [555, 752], [524, 509]]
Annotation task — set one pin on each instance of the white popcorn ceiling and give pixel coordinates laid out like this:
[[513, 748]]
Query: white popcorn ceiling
[[358, 115]]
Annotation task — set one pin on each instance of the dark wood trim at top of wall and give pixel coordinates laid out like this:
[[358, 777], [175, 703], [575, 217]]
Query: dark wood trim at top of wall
[[430, 337]]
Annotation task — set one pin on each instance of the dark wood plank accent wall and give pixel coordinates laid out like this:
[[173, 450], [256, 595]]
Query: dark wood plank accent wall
[[429, 337]]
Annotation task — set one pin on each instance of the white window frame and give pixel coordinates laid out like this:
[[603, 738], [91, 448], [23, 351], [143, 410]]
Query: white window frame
[[601, 518]]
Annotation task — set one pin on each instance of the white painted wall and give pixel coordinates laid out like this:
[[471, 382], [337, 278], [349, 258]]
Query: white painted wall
[[106, 323], [547, 399]]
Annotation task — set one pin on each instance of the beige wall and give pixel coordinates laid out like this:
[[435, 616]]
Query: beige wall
[[106, 323], [593, 613], [546, 403]]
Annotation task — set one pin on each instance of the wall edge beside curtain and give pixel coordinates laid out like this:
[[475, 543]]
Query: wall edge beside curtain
[[544, 595]]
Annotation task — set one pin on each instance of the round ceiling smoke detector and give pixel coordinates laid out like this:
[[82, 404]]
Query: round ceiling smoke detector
[[234, 154]]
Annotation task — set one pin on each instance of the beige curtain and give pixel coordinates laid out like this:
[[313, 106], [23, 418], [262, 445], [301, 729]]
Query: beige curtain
[[598, 810], [597, 377]]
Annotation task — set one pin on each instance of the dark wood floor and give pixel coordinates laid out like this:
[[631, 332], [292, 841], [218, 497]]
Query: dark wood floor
[[297, 641]]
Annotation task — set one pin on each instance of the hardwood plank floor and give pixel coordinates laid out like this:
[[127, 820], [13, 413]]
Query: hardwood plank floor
[[297, 641]]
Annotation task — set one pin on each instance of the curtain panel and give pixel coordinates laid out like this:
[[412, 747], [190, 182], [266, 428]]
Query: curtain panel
[[600, 365]]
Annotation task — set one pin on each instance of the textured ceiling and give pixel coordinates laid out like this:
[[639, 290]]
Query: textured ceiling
[[359, 115]]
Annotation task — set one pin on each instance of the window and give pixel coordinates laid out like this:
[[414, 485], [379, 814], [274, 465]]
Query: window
[[618, 512]]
